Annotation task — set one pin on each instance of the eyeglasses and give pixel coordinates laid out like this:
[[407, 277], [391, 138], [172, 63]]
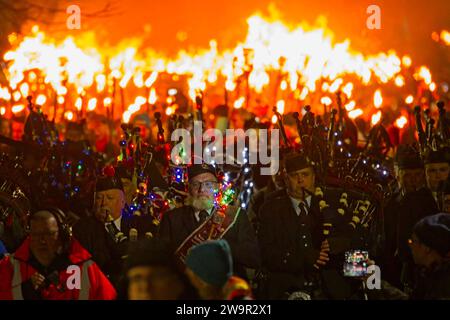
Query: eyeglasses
[[209, 185]]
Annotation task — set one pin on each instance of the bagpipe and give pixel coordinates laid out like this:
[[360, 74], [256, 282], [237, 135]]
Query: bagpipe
[[433, 137], [227, 207], [40, 170], [15, 201], [138, 158], [353, 183]]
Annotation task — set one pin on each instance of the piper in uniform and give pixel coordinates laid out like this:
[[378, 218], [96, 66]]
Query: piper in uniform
[[179, 224], [105, 234], [290, 234]]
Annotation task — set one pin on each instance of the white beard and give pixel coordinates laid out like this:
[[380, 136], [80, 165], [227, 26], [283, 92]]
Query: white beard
[[201, 203]]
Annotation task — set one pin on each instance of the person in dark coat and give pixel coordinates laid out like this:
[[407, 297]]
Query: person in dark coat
[[106, 234], [437, 169], [290, 235], [410, 175], [414, 202], [430, 247], [272, 189], [178, 224]]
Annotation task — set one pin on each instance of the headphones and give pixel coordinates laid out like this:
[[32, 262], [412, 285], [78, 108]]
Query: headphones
[[65, 230]]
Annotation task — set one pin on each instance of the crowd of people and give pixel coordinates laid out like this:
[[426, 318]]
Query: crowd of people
[[288, 243]]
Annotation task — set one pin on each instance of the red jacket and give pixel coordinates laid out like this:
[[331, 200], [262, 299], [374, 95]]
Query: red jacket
[[93, 283]]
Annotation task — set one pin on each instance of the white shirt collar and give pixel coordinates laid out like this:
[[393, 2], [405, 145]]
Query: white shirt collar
[[296, 202]]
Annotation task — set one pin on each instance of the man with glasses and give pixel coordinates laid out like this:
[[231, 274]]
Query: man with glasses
[[45, 266], [178, 224]]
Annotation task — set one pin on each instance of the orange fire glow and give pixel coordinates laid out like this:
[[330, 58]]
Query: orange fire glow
[[301, 62]]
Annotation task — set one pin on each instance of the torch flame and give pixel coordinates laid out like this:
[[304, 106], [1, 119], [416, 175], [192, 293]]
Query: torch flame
[[107, 102], [401, 122], [355, 113], [304, 93], [335, 85], [139, 101], [377, 99], [350, 106], [326, 101], [41, 99], [152, 96], [239, 103], [151, 79], [126, 116], [138, 80], [280, 106], [69, 115], [376, 118], [432, 87], [399, 81], [92, 104], [61, 91], [423, 74], [409, 99], [274, 119], [445, 37], [304, 56], [169, 111], [101, 82], [17, 108], [126, 78], [24, 89], [230, 85], [4, 94], [406, 61], [16, 96], [78, 103], [347, 89]]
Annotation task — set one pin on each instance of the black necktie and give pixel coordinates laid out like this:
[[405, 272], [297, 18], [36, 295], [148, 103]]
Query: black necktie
[[203, 215], [303, 211], [112, 229]]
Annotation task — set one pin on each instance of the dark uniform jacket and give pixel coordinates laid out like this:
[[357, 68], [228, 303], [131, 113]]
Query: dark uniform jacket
[[177, 224], [108, 254], [256, 202], [289, 245], [413, 207]]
